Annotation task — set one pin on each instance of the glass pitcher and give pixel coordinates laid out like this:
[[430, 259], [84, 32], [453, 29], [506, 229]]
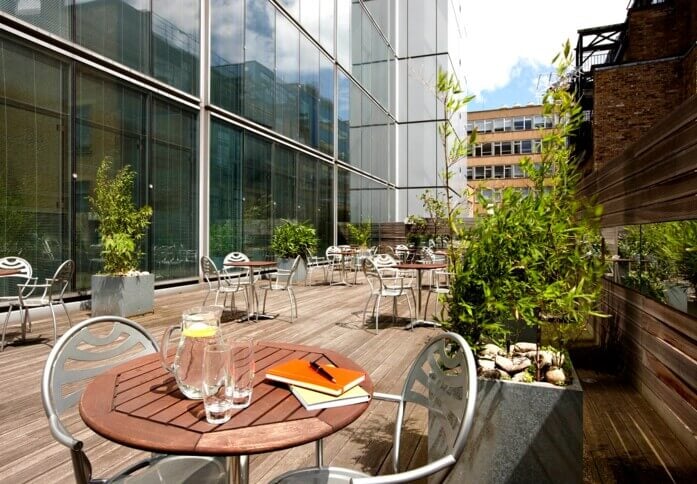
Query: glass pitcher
[[199, 327]]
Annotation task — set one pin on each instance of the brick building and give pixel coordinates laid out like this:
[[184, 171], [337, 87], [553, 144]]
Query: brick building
[[633, 74], [504, 136]]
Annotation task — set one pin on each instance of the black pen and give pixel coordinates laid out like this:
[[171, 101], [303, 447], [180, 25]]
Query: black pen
[[318, 368]]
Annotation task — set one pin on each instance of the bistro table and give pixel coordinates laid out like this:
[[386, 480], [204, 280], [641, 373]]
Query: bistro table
[[254, 267], [138, 404], [419, 268], [346, 256]]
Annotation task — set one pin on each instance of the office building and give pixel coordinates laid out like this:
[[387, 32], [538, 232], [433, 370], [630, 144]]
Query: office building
[[235, 114], [504, 136]]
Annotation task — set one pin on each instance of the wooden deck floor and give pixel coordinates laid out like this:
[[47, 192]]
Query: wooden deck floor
[[624, 441]]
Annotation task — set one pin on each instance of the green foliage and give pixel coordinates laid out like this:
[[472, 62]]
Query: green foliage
[[121, 225], [292, 238], [222, 237], [531, 258], [360, 233], [437, 210]]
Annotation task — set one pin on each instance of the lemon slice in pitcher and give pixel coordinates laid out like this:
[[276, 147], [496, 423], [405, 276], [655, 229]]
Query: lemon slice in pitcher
[[200, 330]]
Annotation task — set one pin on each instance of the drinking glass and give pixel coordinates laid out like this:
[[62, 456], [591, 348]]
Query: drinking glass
[[242, 372], [217, 383]]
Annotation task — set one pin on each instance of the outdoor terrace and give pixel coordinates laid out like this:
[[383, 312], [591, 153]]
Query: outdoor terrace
[[624, 439]]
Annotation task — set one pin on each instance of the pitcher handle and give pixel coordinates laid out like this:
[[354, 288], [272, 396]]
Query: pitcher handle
[[165, 346]]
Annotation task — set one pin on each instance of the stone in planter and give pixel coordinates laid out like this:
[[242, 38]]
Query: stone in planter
[[524, 432], [122, 295]]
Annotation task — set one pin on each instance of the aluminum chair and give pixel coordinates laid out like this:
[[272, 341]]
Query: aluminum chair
[[442, 380], [385, 282], [282, 280], [82, 354], [315, 263], [440, 285], [335, 258], [50, 293], [402, 251], [23, 275], [222, 284]]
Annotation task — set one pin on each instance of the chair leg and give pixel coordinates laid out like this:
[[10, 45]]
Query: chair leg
[[246, 302], [55, 330], [377, 315], [365, 309], [319, 451], [70, 322], [263, 308], [4, 327], [394, 310], [290, 298]]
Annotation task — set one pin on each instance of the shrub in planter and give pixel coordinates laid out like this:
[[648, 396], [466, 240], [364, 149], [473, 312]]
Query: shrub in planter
[[290, 239], [121, 290], [359, 234]]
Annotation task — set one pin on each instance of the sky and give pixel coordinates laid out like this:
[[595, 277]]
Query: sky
[[509, 44]]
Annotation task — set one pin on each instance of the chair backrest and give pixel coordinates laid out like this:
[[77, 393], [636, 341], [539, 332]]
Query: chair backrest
[[333, 253], [77, 357], [18, 264], [64, 276], [210, 271], [442, 379], [237, 271], [384, 260]]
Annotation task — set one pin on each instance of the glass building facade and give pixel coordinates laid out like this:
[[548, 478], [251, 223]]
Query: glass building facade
[[235, 115]]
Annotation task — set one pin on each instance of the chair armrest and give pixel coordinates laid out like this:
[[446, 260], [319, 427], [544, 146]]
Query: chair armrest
[[61, 435], [409, 476], [389, 397]]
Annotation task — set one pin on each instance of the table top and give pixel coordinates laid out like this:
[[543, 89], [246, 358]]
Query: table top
[[420, 267], [9, 272], [251, 263], [138, 404]]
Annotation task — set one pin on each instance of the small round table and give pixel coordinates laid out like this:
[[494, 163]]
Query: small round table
[[138, 404], [254, 265], [419, 268]]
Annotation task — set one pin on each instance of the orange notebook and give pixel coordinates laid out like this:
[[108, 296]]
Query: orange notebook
[[301, 374]]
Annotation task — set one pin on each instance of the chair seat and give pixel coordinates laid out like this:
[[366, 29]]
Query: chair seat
[[179, 469], [326, 475], [37, 302]]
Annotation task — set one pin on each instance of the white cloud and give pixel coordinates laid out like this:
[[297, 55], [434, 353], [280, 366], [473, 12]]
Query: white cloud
[[503, 35]]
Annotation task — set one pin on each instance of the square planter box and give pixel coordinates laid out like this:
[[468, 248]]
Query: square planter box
[[524, 432], [122, 295], [287, 263]]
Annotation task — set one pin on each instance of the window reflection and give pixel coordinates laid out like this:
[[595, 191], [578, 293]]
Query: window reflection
[[659, 260], [287, 77], [259, 82], [227, 54]]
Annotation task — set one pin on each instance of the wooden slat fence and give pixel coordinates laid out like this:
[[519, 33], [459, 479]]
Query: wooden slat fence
[[654, 180]]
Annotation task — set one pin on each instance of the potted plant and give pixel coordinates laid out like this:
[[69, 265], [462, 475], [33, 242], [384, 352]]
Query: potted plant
[[291, 239], [360, 233], [529, 263], [121, 290]]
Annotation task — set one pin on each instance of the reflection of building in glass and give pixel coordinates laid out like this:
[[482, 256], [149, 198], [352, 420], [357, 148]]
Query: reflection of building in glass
[[305, 116], [504, 136]]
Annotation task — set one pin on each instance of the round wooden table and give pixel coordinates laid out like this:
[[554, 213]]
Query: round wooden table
[[138, 404], [419, 268]]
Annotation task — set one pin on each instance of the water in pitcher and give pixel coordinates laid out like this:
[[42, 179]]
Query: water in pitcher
[[188, 362]]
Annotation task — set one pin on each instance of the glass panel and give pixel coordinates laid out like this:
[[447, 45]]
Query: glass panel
[[309, 16], [287, 77], [326, 25], [51, 15], [259, 63], [119, 30], [326, 105], [227, 54], [34, 169], [659, 260], [174, 194], [175, 43], [225, 190], [110, 123], [309, 93], [292, 6], [257, 197], [343, 116], [343, 33], [283, 185]]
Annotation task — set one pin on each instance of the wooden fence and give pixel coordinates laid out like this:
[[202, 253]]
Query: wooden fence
[[654, 180]]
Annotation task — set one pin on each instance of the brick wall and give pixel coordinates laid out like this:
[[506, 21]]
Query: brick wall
[[629, 99], [659, 31]]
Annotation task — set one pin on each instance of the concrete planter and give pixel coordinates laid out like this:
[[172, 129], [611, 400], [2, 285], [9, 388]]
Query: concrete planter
[[287, 263], [524, 432], [122, 295]]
